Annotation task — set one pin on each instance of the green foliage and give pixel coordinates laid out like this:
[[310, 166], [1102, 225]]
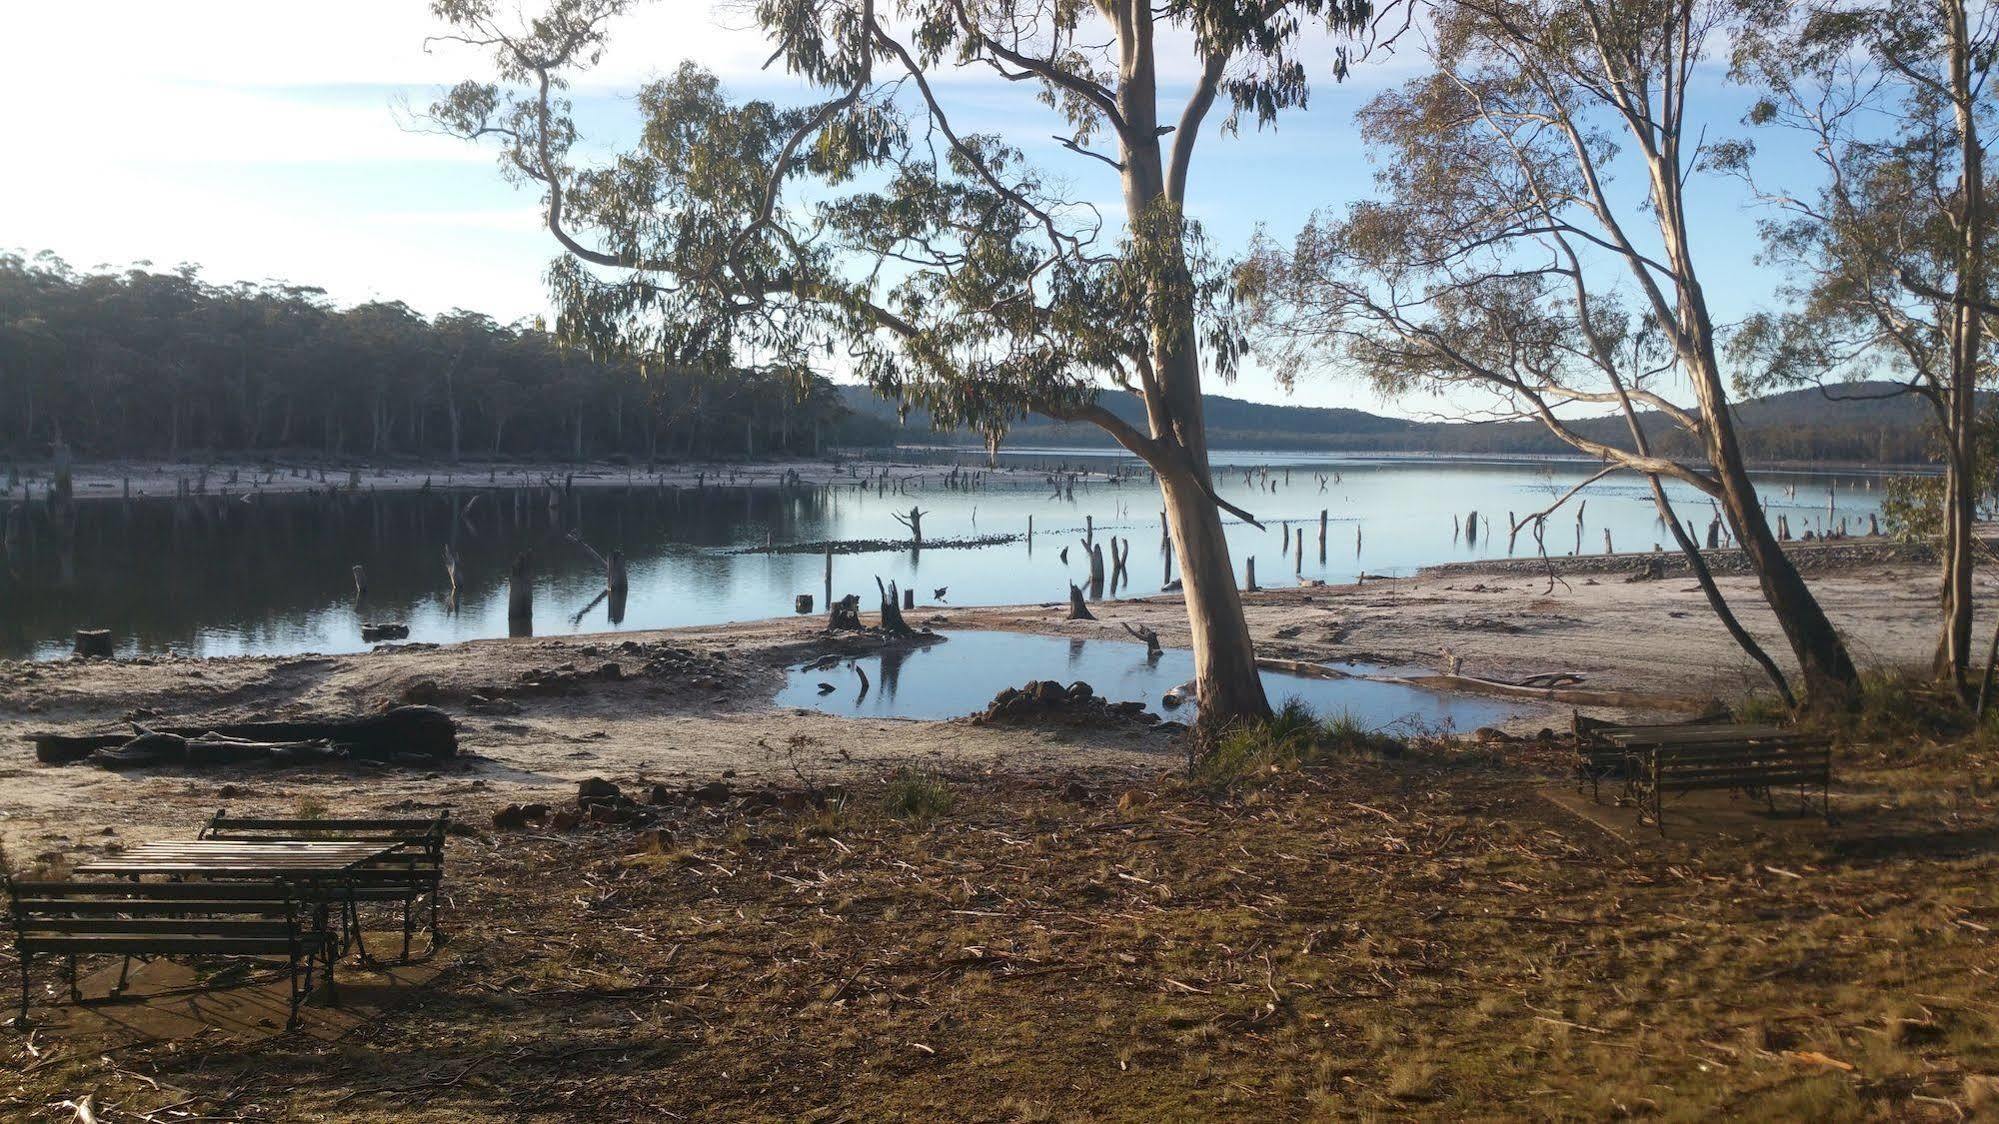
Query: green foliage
[[951, 275], [1292, 737], [142, 363], [917, 794], [1912, 507]]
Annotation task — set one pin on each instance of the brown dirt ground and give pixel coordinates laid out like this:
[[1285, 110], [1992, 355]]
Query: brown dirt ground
[[1415, 937]]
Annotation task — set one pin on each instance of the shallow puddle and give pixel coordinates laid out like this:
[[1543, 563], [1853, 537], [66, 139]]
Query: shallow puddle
[[961, 676]]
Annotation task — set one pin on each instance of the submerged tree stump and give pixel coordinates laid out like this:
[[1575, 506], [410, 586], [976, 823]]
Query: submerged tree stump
[[93, 643], [520, 595], [1144, 632]]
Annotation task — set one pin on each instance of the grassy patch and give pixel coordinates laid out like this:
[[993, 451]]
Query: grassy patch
[[1294, 736], [917, 794]]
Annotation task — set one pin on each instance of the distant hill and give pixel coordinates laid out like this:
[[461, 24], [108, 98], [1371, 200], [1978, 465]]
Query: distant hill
[[1853, 422]]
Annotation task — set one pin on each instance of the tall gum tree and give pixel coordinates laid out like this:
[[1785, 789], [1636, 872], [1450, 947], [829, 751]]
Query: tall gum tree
[[1889, 244], [1498, 256], [932, 260]]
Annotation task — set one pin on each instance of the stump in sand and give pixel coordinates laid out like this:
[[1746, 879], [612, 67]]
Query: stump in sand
[[1078, 610], [891, 611], [845, 614]]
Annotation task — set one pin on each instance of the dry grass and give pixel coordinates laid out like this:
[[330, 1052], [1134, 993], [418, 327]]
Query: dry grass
[[1369, 938]]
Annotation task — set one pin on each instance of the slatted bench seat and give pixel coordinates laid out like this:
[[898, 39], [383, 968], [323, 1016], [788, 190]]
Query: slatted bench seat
[[1753, 768], [411, 873], [261, 920]]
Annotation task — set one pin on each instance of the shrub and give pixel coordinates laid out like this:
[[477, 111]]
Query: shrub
[[916, 794], [1292, 737]]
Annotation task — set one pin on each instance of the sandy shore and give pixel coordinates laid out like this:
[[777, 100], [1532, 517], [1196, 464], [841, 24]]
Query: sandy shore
[[674, 724], [287, 474]]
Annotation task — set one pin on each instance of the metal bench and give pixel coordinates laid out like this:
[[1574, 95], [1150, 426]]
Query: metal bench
[[263, 920], [413, 871], [1754, 767]]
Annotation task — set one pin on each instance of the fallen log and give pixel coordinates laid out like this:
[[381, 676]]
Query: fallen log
[[211, 751], [405, 731]]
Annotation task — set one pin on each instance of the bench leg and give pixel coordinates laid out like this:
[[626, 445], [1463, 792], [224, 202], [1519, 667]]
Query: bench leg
[[124, 975], [75, 992], [23, 1020], [291, 1022]]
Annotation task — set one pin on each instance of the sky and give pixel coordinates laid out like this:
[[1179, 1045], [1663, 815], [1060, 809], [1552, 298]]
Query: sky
[[276, 140]]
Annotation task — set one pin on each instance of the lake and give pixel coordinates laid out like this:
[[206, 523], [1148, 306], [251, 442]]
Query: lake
[[216, 576]]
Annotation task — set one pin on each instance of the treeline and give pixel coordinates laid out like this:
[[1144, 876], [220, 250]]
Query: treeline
[[1855, 422], [141, 363]]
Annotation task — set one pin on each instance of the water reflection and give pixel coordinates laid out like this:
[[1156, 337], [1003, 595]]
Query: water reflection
[[961, 676], [272, 574]]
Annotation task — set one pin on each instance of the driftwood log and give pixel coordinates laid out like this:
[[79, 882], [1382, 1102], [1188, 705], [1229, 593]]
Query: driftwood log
[[405, 731]]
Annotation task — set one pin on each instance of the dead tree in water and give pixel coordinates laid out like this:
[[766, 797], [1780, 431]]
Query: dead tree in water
[[615, 579], [913, 521], [451, 572], [1151, 638], [1078, 610], [360, 581], [520, 595]]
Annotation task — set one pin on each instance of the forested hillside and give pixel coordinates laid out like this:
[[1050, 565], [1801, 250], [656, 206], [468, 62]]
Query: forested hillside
[[142, 363], [1858, 422]]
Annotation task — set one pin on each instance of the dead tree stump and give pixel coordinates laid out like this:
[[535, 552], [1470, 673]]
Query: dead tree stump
[[520, 595], [913, 521], [1078, 609], [92, 643], [844, 614], [891, 611], [1151, 638]]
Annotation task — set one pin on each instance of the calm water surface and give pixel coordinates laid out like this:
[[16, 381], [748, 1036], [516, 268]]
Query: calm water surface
[[219, 576], [961, 676]]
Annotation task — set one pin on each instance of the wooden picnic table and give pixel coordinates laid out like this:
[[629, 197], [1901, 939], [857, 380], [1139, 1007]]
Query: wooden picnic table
[[304, 860]]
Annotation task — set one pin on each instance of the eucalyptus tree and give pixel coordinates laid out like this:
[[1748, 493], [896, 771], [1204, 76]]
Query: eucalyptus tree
[[1498, 259], [1890, 241], [874, 225]]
